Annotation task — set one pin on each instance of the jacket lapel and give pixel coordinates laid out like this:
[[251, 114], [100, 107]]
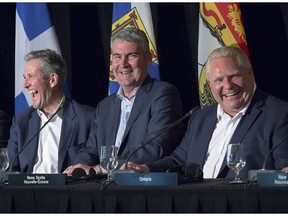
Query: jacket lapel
[[246, 122], [67, 132], [32, 147], [138, 105], [115, 114], [253, 111]]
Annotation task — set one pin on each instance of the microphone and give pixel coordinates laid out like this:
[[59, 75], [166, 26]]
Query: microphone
[[252, 174], [80, 174], [17, 155], [192, 111], [271, 150], [188, 173]]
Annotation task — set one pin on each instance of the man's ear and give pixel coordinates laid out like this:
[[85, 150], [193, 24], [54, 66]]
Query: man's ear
[[53, 79], [149, 59]]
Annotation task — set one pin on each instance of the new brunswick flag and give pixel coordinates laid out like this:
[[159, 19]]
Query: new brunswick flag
[[136, 15], [220, 24]]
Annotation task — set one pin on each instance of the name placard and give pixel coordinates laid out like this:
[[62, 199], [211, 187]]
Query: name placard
[[146, 179], [276, 179], [37, 179]]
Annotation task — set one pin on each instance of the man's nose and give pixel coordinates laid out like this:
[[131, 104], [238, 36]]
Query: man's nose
[[26, 83], [227, 83], [124, 60]]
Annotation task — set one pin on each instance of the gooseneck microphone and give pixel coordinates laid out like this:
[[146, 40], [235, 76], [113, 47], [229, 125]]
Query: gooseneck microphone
[[271, 150], [252, 174], [192, 111], [17, 155]]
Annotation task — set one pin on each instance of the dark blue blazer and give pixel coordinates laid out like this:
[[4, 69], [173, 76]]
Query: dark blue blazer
[[264, 125], [156, 106], [77, 119]]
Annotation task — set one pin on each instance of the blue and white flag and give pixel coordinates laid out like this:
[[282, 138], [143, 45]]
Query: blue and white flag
[[34, 31], [136, 15]]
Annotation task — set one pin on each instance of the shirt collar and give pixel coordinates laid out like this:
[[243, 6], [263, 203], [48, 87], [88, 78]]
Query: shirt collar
[[121, 96], [221, 113], [60, 114]]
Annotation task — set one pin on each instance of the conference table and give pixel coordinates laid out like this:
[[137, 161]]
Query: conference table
[[89, 196]]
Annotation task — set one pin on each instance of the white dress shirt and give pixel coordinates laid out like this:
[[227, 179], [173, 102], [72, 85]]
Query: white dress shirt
[[126, 107], [222, 134], [48, 143]]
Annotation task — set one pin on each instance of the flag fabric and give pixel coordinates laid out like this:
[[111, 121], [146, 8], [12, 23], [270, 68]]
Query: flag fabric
[[220, 24], [34, 31], [136, 15]]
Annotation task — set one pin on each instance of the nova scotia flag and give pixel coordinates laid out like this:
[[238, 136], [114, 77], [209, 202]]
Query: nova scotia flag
[[136, 15], [34, 31]]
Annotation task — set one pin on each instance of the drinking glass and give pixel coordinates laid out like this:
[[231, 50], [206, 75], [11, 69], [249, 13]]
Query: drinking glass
[[236, 160], [109, 160], [4, 159], [103, 157]]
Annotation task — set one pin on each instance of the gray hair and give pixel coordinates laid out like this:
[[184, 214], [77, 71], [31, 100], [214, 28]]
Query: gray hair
[[236, 53], [52, 62], [131, 34]]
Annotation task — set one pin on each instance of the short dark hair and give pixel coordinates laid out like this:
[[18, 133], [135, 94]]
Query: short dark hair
[[131, 34], [52, 62]]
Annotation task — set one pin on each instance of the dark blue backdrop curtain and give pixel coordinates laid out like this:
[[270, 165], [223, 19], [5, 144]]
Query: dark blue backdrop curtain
[[83, 31]]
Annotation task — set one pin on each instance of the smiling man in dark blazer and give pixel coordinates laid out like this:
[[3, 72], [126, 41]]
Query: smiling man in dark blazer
[[244, 114], [141, 109], [56, 145]]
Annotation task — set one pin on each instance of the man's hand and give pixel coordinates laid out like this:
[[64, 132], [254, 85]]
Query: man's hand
[[70, 169], [285, 170], [136, 167]]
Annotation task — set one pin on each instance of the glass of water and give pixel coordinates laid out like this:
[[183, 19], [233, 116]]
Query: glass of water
[[4, 159], [109, 160], [236, 160]]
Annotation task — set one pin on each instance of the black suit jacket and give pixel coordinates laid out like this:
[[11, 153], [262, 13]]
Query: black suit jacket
[[77, 119], [156, 106], [264, 125]]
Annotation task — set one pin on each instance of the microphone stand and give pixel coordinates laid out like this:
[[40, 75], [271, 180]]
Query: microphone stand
[[12, 163], [193, 110], [252, 174]]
